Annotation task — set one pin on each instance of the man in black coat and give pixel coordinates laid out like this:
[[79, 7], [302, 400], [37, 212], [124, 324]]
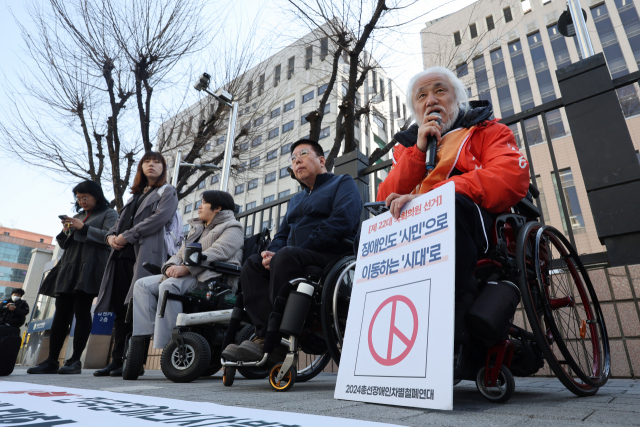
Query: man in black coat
[[313, 233], [13, 313]]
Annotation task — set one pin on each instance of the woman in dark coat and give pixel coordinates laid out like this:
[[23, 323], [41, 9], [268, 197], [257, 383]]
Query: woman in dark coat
[[75, 282], [136, 238]]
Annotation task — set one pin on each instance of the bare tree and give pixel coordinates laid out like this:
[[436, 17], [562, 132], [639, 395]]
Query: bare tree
[[86, 60]]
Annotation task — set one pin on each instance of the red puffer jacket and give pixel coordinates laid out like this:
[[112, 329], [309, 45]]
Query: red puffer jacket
[[490, 169]]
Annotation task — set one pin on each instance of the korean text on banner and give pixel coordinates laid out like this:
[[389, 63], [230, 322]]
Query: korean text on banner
[[398, 345]]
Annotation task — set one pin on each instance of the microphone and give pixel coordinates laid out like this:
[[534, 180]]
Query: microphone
[[432, 145]]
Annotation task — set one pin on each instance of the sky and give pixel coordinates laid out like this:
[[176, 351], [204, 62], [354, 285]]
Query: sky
[[32, 200]]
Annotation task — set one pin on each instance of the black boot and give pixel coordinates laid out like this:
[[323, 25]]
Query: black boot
[[106, 371], [48, 366]]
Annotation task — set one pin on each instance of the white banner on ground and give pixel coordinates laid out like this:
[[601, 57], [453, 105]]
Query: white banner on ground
[[398, 346], [31, 405]]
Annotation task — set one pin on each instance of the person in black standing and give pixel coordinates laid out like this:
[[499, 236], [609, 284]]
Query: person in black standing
[[13, 313], [136, 238], [74, 281]]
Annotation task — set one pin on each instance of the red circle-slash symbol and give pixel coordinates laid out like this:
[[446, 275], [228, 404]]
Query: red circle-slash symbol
[[393, 331]]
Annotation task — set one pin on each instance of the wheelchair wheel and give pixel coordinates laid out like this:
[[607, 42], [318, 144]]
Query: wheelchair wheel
[[502, 391], [336, 294], [244, 334], [287, 381], [192, 365], [133, 362], [563, 309], [316, 366], [228, 375]]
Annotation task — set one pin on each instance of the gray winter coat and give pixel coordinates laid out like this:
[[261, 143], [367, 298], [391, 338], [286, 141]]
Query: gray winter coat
[[222, 240], [146, 236], [85, 256]]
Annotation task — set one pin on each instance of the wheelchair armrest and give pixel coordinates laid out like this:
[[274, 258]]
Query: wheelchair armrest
[[152, 268], [223, 268]]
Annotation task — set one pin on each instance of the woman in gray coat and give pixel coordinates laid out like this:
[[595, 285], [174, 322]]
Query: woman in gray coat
[[75, 281], [136, 238]]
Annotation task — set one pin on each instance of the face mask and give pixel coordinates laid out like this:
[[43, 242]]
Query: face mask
[[15, 298]]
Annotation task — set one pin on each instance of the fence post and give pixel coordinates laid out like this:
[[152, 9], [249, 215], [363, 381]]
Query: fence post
[[606, 155]]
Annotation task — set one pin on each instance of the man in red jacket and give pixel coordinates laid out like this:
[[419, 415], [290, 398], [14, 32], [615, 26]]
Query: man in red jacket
[[479, 155]]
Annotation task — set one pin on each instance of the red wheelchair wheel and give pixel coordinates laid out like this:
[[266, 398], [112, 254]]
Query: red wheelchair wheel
[[563, 309]]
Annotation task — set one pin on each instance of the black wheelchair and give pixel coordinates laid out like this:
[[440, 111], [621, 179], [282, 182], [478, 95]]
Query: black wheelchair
[[195, 345], [536, 261]]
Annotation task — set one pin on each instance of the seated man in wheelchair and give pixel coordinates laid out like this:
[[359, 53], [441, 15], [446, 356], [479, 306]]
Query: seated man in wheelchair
[[317, 221], [221, 237], [478, 154]]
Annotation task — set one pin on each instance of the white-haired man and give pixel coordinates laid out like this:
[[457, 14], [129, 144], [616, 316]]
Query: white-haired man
[[478, 154]]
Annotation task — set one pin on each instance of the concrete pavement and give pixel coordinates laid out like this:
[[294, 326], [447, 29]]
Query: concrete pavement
[[536, 402]]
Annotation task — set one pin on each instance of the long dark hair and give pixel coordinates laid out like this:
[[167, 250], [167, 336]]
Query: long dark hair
[[91, 187], [140, 181]]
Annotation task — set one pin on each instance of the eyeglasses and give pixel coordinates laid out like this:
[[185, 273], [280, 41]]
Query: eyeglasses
[[82, 200], [300, 155]]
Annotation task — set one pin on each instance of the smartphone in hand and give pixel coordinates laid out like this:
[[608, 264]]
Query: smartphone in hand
[[62, 217]]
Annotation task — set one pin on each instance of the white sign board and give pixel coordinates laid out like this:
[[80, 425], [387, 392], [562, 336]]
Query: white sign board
[[24, 405], [398, 345]]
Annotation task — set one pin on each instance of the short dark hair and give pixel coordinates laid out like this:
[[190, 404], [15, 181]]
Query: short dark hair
[[219, 199], [17, 291], [317, 148], [93, 188]]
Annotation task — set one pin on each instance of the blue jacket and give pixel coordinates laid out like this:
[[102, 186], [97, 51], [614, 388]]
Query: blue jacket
[[319, 219]]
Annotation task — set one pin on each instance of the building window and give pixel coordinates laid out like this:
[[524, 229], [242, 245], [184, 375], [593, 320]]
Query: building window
[[325, 132], [490, 25], [345, 88], [397, 107], [255, 162], [198, 203], [249, 230], [41, 240], [381, 122], [249, 91], [327, 109], [252, 204], [502, 83], [258, 121], [242, 167], [516, 134], [284, 172], [571, 198], [308, 58], [274, 132], [629, 17], [215, 179], [267, 224], [613, 54], [322, 89], [188, 208], [404, 111], [482, 81], [461, 70], [270, 177], [382, 88], [554, 122], [473, 31], [253, 184], [374, 77], [261, 85], [220, 140], [303, 119], [289, 106], [269, 198], [533, 131], [285, 149], [521, 77], [307, 97], [526, 6], [276, 75], [207, 147], [275, 113], [272, 154], [541, 67], [185, 229], [507, 14], [244, 146], [239, 189], [457, 39], [559, 47], [201, 185], [284, 193], [543, 201], [287, 127], [324, 48], [292, 64], [256, 141]]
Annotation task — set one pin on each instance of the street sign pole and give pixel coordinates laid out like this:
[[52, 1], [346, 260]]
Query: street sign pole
[[580, 25], [176, 169], [228, 152]]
